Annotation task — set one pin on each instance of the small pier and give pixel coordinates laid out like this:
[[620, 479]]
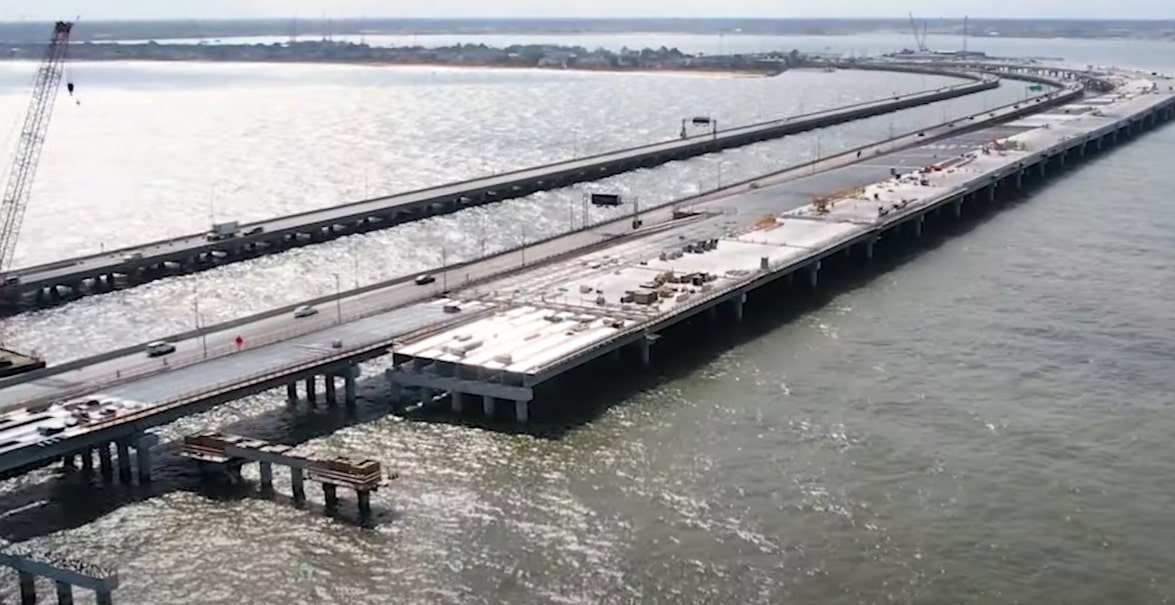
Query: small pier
[[66, 573], [231, 452]]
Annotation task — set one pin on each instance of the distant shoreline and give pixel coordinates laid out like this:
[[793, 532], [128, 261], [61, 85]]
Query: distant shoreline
[[679, 71], [516, 56]]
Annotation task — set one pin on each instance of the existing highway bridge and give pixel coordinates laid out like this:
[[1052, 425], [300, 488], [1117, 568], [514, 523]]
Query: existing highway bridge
[[51, 283]]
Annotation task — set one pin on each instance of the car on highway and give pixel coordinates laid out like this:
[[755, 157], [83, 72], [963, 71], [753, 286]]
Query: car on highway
[[425, 279], [305, 311], [160, 348]]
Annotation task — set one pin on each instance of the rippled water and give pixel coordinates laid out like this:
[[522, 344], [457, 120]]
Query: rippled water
[[987, 422]]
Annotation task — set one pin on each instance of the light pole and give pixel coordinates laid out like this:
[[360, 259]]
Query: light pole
[[444, 269], [338, 298], [199, 327]]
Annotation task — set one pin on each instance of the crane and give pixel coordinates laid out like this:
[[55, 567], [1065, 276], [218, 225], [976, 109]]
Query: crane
[[919, 39], [32, 139]]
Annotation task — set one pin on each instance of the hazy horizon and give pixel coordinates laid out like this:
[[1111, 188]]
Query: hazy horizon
[[17, 10]]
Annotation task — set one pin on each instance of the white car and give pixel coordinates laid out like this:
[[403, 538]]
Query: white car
[[305, 311]]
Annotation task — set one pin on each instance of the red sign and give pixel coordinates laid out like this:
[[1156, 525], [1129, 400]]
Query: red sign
[[240, 342]]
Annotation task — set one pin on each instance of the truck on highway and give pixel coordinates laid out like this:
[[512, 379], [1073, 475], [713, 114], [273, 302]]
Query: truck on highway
[[223, 231]]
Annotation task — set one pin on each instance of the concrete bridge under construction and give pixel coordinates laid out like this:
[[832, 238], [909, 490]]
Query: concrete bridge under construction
[[497, 331]]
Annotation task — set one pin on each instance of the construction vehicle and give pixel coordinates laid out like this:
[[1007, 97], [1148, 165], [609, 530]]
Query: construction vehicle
[[46, 84]]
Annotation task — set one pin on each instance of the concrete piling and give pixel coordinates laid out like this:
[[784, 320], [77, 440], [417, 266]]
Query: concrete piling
[[266, 477], [105, 463], [330, 494], [64, 594], [522, 411], [28, 588], [487, 405], [297, 484], [292, 392], [456, 402], [124, 461], [331, 395], [311, 394]]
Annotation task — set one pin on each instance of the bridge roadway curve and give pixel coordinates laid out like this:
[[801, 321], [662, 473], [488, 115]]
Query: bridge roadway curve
[[365, 325], [386, 311], [50, 283]]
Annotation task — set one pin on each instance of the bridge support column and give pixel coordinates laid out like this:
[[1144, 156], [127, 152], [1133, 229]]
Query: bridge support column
[[311, 387], [991, 193], [522, 411], [64, 594], [646, 349], [364, 498], [331, 396], [1042, 167], [105, 463], [1019, 179], [958, 208], [426, 395], [292, 392], [266, 477], [297, 485], [457, 402], [87, 455], [124, 461], [349, 380], [867, 247], [487, 405], [712, 312], [103, 597], [739, 302], [1061, 158], [143, 459], [28, 588], [330, 492], [814, 274], [918, 225]]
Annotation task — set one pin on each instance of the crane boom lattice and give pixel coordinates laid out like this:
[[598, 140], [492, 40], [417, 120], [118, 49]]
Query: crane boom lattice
[[32, 140]]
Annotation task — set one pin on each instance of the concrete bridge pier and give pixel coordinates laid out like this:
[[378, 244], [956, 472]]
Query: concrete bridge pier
[[143, 458], [266, 469], [364, 498], [1019, 180], [739, 303], [64, 593], [991, 193], [311, 386], [330, 493], [105, 462], [522, 411], [292, 392], [814, 275], [124, 461], [28, 588], [298, 485], [646, 349], [332, 399], [350, 386], [487, 405], [457, 402], [918, 220], [87, 456], [103, 597], [958, 208]]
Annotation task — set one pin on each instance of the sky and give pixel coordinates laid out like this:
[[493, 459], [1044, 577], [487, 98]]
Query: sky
[[14, 10]]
